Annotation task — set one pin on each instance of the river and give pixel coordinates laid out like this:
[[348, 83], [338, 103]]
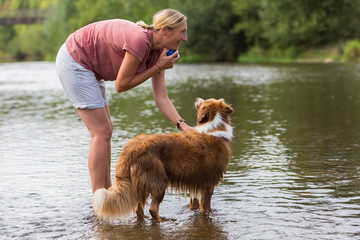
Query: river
[[294, 172]]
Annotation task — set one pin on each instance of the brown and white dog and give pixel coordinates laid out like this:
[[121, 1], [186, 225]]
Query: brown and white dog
[[193, 161]]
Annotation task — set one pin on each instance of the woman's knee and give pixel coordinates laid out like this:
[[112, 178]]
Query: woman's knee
[[102, 132], [97, 122], [108, 131]]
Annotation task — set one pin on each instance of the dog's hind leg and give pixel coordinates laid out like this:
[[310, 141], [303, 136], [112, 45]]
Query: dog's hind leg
[[205, 205], [155, 204], [158, 189], [140, 212], [149, 177]]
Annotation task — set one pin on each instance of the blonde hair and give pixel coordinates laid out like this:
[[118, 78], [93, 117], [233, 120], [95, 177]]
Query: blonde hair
[[167, 17]]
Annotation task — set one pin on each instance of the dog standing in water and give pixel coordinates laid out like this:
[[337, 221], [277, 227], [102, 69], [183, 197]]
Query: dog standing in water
[[194, 161]]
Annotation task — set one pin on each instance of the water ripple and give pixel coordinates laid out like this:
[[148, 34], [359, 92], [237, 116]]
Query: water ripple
[[294, 171]]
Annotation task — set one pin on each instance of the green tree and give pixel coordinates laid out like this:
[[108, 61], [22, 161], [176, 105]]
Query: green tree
[[22, 41], [6, 34], [210, 25], [308, 22], [248, 12], [28, 4], [218, 29], [95, 10], [56, 27]]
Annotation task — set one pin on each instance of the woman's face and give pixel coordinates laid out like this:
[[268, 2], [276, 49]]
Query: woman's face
[[174, 37]]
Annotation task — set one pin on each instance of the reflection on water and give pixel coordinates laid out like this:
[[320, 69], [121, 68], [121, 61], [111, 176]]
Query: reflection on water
[[294, 171]]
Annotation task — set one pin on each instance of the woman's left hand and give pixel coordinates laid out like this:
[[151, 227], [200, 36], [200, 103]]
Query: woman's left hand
[[186, 128], [166, 62]]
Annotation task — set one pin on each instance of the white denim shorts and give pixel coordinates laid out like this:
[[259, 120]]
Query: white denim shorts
[[79, 83]]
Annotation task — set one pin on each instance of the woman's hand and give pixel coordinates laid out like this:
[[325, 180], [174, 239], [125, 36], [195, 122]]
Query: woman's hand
[[166, 62], [185, 127]]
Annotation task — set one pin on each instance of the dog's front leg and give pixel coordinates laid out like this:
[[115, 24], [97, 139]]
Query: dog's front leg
[[206, 200]]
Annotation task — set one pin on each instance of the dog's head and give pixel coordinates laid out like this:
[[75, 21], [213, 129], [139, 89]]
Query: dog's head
[[213, 117]]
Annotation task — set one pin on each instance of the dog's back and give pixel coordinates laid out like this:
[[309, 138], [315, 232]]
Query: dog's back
[[186, 161]]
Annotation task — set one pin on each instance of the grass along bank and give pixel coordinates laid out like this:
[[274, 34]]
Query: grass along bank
[[348, 51]]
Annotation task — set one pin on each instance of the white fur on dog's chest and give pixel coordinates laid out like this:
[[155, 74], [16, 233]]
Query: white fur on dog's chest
[[210, 128]]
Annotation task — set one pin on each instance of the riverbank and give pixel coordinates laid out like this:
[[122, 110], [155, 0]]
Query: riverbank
[[6, 57], [341, 52], [292, 54]]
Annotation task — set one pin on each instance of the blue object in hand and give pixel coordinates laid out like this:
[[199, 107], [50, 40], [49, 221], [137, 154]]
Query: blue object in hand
[[170, 52]]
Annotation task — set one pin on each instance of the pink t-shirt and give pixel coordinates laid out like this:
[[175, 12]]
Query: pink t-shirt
[[100, 47]]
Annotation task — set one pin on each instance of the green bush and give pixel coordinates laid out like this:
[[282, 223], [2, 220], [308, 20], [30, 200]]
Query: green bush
[[273, 54], [291, 52], [352, 51], [194, 58], [254, 54]]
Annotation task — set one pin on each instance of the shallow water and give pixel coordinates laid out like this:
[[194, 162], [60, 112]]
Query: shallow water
[[294, 171]]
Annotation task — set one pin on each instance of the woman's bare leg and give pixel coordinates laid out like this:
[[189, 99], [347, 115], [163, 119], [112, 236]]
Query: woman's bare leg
[[99, 124], [108, 166]]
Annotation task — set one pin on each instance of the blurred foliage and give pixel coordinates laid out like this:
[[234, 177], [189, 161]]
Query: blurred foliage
[[210, 25], [352, 51], [309, 22], [218, 30]]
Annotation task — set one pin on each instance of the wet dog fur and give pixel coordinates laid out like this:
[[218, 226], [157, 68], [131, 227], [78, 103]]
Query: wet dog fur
[[192, 162]]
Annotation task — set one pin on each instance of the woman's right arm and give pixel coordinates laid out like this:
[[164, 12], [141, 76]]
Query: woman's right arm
[[127, 77]]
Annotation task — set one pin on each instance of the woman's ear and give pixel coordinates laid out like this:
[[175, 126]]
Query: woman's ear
[[164, 30]]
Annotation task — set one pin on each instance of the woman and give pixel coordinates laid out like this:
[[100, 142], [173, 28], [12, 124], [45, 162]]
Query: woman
[[128, 53]]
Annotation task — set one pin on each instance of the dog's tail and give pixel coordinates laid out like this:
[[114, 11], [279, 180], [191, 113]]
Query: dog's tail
[[118, 201]]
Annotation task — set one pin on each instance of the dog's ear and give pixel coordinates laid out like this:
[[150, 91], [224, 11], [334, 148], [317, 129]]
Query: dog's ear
[[204, 117], [221, 101], [228, 108]]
